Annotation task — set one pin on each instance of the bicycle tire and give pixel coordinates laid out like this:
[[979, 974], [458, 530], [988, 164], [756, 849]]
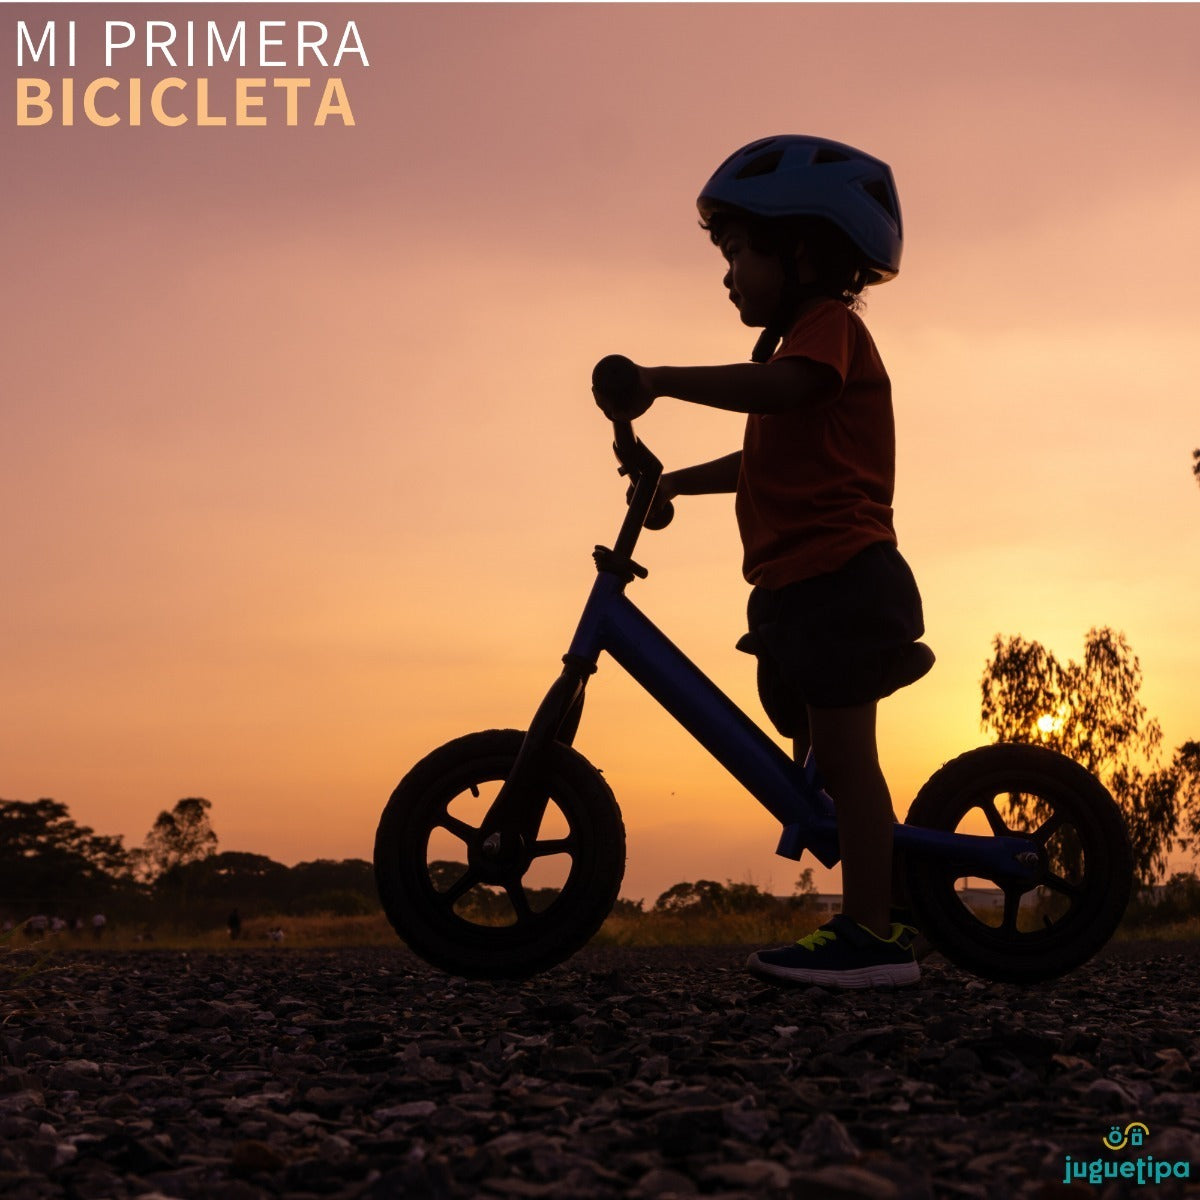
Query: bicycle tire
[[432, 922], [1068, 919]]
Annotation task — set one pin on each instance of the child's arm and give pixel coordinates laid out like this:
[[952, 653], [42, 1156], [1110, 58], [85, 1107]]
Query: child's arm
[[704, 479], [770, 387]]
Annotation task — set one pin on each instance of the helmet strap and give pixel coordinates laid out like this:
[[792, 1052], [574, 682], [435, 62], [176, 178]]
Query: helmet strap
[[792, 296], [768, 342]]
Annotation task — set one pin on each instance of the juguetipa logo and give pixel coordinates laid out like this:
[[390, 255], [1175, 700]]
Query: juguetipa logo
[[1119, 1164]]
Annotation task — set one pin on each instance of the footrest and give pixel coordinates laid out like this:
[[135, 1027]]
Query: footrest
[[820, 840], [791, 843]]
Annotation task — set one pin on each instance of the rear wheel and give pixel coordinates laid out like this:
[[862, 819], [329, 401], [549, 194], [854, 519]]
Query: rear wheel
[[503, 908], [1032, 930]]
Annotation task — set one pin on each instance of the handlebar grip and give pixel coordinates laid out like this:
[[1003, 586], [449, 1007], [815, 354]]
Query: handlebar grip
[[615, 376], [660, 516]]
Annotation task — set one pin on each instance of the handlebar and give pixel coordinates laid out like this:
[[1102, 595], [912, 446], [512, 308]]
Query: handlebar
[[617, 377]]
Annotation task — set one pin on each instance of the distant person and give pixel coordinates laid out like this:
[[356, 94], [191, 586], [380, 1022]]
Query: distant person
[[235, 925], [99, 924], [804, 224]]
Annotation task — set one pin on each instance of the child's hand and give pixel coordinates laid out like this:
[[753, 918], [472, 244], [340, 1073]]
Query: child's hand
[[621, 388]]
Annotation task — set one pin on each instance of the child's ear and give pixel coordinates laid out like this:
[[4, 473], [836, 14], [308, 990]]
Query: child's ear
[[804, 264]]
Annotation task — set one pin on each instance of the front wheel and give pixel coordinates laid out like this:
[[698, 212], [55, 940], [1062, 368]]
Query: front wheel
[[470, 913], [1026, 932]]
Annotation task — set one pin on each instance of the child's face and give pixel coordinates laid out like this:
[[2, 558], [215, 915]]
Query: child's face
[[754, 280]]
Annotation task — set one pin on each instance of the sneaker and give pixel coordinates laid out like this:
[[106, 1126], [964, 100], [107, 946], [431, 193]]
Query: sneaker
[[842, 954], [922, 946]]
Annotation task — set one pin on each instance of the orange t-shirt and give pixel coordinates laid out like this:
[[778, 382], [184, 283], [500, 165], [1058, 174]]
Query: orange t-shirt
[[816, 481]]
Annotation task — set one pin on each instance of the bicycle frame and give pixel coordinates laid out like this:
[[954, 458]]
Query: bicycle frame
[[611, 623]]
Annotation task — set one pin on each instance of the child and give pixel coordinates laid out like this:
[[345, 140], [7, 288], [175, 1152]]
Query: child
[[804, 224]]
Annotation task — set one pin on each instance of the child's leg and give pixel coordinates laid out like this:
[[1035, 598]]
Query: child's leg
[[843, 741]]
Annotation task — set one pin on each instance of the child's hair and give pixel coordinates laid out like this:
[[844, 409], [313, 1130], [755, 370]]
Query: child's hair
[[834, 257]]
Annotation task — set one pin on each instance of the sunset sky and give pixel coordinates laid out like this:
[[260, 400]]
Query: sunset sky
[[300, 469]]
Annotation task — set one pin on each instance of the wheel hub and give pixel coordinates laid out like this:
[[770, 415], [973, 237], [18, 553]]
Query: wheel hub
[[498, 857]]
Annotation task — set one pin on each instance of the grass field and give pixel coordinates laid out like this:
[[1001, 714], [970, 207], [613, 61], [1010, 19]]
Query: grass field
[[649, 929]]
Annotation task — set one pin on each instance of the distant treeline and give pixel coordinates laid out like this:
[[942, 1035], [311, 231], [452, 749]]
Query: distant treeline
[[51, 866]]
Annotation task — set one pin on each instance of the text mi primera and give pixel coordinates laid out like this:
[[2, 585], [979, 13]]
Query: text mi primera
[[173, 100]]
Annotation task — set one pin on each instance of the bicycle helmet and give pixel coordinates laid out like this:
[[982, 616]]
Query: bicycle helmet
[[798, 176]]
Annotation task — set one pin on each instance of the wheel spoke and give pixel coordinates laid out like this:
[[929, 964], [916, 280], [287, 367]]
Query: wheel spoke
[[1012, 906], [554, 846], [462, 885], [461, 830], [994, 819], [1059, 884], [1049, 828], [519, 901]]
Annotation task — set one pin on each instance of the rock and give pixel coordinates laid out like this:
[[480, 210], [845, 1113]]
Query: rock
[[844, 1183], [664, 1184], [413, 1110], [827, 1138], [1108, 1096], [250, 1156], [756, 1175], [744, 1120]]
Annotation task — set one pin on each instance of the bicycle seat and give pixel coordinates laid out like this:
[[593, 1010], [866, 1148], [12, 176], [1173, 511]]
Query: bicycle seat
[[915, 662]]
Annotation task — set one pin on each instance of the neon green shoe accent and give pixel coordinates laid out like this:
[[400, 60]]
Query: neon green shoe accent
[[816, 939]]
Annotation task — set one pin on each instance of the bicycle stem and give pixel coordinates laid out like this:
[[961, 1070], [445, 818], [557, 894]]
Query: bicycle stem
[[641, 465]]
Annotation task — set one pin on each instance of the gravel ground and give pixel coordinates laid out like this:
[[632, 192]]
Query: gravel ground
[[625, 1073]]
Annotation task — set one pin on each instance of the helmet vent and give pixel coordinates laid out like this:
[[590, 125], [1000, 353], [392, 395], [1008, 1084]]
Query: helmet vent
[[879, 192], [764, 164], [827, 154], [755, 147]]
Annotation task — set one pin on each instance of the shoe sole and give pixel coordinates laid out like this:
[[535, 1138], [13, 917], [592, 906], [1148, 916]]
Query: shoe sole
[[889, 975]]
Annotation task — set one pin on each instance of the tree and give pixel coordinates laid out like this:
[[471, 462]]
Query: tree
[[1092, 713], [805, 894], [183, 835], [1177, 900], [344, 888], [233, 874], [45, 858], [1186, 769], [709, 897], [806, 887]]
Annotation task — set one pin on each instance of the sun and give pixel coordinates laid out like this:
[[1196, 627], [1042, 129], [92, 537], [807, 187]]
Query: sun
[[1049, 724]]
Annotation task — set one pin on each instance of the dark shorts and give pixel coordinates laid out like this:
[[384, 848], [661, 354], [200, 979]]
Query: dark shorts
[[836, 640]]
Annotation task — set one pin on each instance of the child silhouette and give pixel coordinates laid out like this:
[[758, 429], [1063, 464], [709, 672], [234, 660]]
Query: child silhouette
[[804, 224]]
